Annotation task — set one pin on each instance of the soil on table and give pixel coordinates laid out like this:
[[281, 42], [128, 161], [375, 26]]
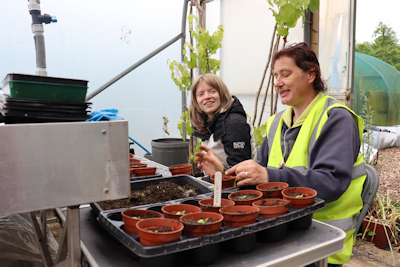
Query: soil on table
[[161, 192]]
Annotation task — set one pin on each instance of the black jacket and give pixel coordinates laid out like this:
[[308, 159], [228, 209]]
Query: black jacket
[[232, 131]]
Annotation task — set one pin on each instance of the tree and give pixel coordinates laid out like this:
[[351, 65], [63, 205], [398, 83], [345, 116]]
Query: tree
[[385, 45]]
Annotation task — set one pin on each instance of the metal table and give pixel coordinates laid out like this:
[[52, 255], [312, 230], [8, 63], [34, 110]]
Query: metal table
[[299, 248], [51, 165]]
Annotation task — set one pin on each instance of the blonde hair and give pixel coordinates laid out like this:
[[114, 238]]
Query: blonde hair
[[197, 116]]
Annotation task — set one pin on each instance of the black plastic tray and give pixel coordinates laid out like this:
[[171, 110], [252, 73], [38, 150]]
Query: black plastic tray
[[138, 178], [138, 184], [243, 238], [47, 79]]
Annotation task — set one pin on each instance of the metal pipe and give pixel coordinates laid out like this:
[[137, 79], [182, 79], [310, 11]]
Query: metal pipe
[[38, 37], [134, 66], [351, 63], [183, 31]]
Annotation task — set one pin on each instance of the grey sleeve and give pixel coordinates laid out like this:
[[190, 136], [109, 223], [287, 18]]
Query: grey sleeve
[[331, 159]]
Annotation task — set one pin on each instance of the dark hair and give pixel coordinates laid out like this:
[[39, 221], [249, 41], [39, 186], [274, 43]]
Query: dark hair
[[197, 116], [305, 59]]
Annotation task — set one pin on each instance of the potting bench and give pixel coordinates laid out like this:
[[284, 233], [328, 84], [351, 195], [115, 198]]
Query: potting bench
[[299, 248], [50, 165]]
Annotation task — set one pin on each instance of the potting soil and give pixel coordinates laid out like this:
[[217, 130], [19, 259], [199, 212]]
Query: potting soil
[[161, 192]]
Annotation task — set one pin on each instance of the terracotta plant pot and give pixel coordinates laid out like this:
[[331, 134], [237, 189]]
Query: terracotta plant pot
[[134, 161], [180, 169], [272, 207], [144, 171], [157, 234], [245, 197], [138, 165], [212, 223], [299, 197], [237, 216], [272, 189], [131, 216], [170, 211], [379, 239], [227, 181], [207, 205]]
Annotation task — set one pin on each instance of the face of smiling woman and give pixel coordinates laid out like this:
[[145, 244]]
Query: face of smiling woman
[[208, 98], [294, 85]]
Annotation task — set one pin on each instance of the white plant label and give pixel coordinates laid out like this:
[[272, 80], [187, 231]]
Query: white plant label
[[217, 189]]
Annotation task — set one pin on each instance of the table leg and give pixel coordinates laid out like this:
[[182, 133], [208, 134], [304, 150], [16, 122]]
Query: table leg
[[322, 263], [42, 240], [73, 236]]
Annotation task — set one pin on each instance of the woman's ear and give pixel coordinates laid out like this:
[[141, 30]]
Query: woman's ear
[[311, 75]]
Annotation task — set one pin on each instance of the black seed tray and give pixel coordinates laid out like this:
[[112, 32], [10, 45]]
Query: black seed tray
[[232, 237], [138, 183]]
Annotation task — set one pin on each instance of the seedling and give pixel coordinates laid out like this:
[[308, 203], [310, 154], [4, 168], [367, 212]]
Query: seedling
[[142, 195], [155, 231], [136, 217], [180, 212], [242, 197], [299, 196], [202, 221]]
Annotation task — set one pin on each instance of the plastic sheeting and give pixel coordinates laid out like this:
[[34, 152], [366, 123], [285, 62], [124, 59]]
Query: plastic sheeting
[[385, 136], [18, 242], [381, 83]]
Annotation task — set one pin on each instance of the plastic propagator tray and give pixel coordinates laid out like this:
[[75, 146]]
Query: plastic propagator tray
[[43, 87], [138, 184], [240, 240]]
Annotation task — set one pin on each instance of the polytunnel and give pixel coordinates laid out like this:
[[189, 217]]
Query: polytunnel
[[381, 83]]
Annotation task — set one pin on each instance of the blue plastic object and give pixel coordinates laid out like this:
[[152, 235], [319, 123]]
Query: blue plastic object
[[105, 114]]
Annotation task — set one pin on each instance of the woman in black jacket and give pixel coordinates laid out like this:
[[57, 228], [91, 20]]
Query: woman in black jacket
[[220, 121]]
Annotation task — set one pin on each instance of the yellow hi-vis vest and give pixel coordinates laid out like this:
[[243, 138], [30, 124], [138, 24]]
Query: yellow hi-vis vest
[[343, 212]]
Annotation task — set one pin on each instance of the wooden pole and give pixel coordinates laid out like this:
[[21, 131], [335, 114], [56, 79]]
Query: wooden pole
[[314, 38]]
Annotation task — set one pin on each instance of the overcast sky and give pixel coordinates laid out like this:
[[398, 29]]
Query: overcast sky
[[370, 12]]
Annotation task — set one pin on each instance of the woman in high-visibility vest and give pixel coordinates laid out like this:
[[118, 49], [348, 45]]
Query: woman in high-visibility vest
[[314, 143]]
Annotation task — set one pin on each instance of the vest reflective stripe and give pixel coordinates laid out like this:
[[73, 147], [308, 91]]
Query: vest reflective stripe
[[274, 126], [344, 224], [358, 171], [313, 139]]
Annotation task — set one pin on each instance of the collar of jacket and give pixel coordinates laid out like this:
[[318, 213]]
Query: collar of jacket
[[217, 125], [288, 115]]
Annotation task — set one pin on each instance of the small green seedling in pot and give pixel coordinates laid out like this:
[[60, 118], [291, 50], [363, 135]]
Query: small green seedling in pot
[[242, 197], [155, 231], [136, 217], [180, 212], [202, 221], [299, 196]]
